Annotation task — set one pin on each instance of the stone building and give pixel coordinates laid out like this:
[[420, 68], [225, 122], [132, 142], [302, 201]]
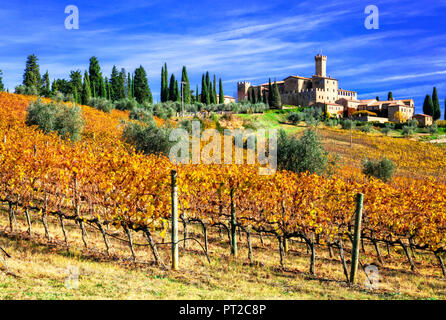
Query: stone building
[[324, 91], [303, 91], [424, 120]]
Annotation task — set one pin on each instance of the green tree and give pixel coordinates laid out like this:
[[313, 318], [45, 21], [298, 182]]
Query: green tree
[[428, 106], [2, 87], [86, 89], [31, 76], [129, 86], [186, 87], [444, 109], [214, 90], [46, 85], [117, 90], [270, 93], [197, 97], [164, 84], [436, 105], [305, 154], [383, 169], [172, 91], [76, 85], [142, 90], [204, 91], [390, 96], [377, 98], [96, 79], [177, 91], [221, 93], [276, 100]]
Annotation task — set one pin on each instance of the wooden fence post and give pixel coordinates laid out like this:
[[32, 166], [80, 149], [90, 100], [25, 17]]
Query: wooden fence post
[[233, 226], [357, 237], [174, 220]]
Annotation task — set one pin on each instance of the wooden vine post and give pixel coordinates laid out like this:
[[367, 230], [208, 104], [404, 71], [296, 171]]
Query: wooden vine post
[[174, 220], [357, 237], [233, 226]]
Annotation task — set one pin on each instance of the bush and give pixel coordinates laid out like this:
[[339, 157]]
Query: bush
[[383, 169], [30, 91], [348, 124], [331, 123], [58, 96], [101, 104], [148, 139], [126, 104], [142, 115], [366, 128], [433, 129], [66, 121], [301, 155], [408, 131], [388, 127], [295, 117]]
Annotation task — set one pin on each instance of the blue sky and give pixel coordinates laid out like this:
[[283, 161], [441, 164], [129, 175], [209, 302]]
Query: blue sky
[[236, 40]]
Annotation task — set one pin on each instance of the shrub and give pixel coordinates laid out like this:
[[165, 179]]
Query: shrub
[[433, 129], [441, 123], [366, 128], [58, 96], [331, 123], [30, 91], [348, 124], [301, 155], [388, 127], [141, 114], [408, 131], [126, 104], [295, 117], [48, 117], [148, 139], [101, 104], [383, 169]]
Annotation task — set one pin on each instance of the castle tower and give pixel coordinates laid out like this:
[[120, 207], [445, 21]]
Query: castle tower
[[242, 90], [321, 65]]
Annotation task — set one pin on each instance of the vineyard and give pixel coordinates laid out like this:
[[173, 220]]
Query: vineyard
[[102, 183]]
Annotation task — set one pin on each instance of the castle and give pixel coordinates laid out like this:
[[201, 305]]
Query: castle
[[320, 90]]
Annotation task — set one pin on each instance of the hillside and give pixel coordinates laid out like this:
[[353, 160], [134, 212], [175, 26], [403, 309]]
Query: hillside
[[101, 182]]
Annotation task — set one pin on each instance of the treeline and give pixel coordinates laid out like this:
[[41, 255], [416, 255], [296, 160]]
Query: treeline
[[271, 97], [92, 88]]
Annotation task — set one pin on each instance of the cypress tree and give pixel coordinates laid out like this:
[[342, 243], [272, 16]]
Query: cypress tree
[[177, 91], [46, 86], [197, 97], [114, 85], [96, 79], [221, 94], [377, 98], [86, 89], [214, 91], [208, 80], [270, 93], [172, 92], [204, 90], [259, 97], [103, 89], [142, 91], [186, 87], [211, 94], [129, 86], [163, 86], [444, 109], [76, 85], [54, 87], [390, 96], [265, 98], [436, 105], [428, 106], [276, 100], [31, 76], [2, 86], [254, 95]]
